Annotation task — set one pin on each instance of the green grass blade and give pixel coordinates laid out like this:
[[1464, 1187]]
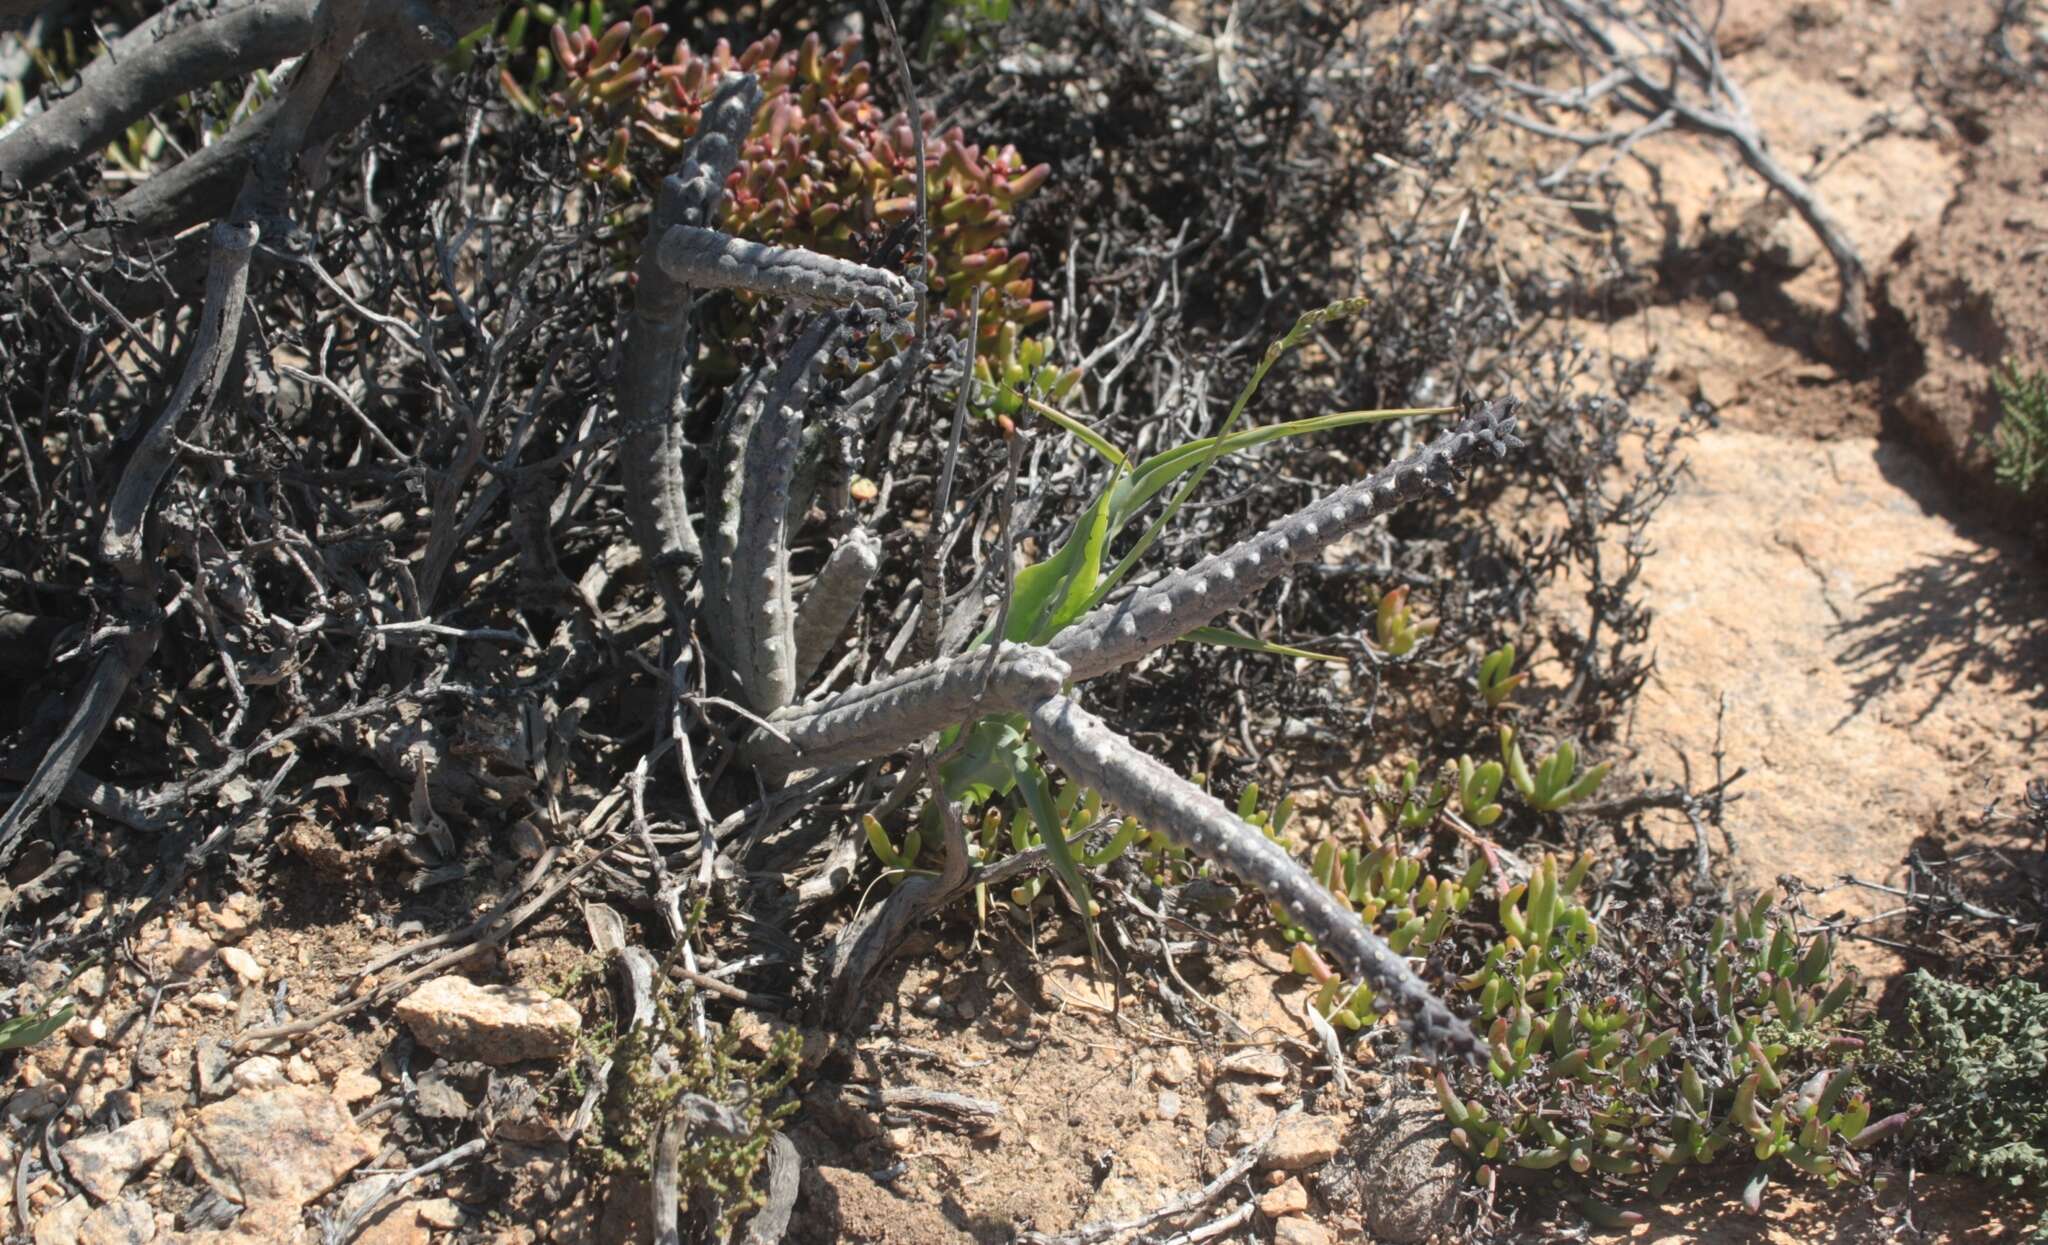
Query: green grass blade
[[1307, 324], [1088, 436], [1053, 833], [1224, 637]]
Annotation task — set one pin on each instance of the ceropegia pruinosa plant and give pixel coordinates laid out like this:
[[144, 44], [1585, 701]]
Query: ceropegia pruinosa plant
[[771, 645]]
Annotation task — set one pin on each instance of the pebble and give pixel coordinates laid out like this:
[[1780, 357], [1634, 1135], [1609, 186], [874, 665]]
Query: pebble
[[259, 1072], [1303, 1141], [242, 965], [1175, 1068], [351, 1088], [497, 1025], [127, 1222], [1289, 1197], [1296, 1230], [103, 1162], [59, 1225]]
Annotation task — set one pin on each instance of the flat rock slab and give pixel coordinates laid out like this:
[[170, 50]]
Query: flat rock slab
[[104, 1162], [290, 1145], [461, 1020], [1882, 665]]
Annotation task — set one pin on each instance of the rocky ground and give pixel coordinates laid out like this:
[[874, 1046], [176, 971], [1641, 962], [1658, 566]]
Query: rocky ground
[[1836, 614]]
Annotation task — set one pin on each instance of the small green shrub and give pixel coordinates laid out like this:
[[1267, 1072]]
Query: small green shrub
[[1975, 1061], [1618, 1056], [2019, 445]]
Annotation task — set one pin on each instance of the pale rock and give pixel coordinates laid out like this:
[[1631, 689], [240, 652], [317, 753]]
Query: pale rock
[[356, 1086], [440, 1212], [259, 1072], [1295, 1230], [1175, 1067], [104, 1162], [1289, 1197], [299, 1071], [233, 919], [59, 1225], [397, 1224], [1303, 1141], [497, 1025], [92, 983], [287, 1145], [126, 1222], [242, 965], [187, 952], [1256, 1064]]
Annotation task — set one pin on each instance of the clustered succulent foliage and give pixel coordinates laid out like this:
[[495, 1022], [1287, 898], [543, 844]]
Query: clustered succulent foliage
[[823, 167]]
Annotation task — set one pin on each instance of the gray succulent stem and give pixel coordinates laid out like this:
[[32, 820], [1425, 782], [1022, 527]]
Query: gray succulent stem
[[658, 349], [833, 597], [710, 260], [1113, 636], [896, 711], [747, 609], [1097, 757]]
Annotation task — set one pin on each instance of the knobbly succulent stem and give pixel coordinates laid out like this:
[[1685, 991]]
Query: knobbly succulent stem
[[1097, 757], [1117, 635], [833, 597], [878, 718], [708, 259], [746, 576], [659, 348]]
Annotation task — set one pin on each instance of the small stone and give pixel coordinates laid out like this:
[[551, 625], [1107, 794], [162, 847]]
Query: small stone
[[1295, 1230], [210, 1060], [259, 1072], [1719, 389], [299, 1071], [37, 1102], [397, 1224], [92, 983], [440, 1212], [1725, 302], [1176, 1067], [1717, 321], [1289, 1197], [1244, 1108], [1411, 1173], [232, 919], [242, 965], [59, 1225], [103, 1162], [287, 1145], [1303, 1141], [127, 1222], [187, 952], [497, 1025], [526, 841], [1262, 1065], [1169, 1105], [351, 1088]]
